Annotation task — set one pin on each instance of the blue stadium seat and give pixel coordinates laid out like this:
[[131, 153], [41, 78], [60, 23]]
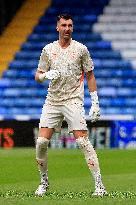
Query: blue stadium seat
[[87, 102], [23, 64], [16, 73], [4, 83], [33, 46], [106, 54], [99, 45], [127, 92], [108, 91], [24, 55]]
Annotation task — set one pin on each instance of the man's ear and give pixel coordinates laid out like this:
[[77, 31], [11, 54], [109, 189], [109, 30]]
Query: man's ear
[[57, 28]]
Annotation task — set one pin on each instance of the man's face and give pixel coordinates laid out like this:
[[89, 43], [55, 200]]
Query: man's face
[[65, 28]]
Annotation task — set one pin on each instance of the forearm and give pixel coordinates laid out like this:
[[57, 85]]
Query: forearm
[[91, 81], [95, 110], [92, 87]]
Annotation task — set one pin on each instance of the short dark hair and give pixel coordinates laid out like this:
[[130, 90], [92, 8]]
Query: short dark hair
[[64, 16]]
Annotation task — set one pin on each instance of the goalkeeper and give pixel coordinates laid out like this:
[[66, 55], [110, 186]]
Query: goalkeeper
[[64, 63]]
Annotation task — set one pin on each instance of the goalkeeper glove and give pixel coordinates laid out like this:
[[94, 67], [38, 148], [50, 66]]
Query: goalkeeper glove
[[94, 112], [50, 75]]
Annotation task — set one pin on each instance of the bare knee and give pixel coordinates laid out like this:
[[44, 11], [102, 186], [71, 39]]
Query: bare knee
[[41, 149], [80, 133], [46, 132]]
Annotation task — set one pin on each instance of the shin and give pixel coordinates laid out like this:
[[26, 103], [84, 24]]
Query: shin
[[41, 155], [91, 158]]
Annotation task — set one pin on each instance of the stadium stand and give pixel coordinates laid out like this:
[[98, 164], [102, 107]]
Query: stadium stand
[[19, 28], [97, 25], [116, 25]]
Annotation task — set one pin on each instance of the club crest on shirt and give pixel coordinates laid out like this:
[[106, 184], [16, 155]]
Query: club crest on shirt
[[53, 56]]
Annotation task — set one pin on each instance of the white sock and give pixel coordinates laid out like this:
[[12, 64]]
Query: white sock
[[41, 157], [91, 159]]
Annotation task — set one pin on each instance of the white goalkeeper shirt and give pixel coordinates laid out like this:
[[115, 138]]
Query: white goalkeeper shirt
[[71, 62]]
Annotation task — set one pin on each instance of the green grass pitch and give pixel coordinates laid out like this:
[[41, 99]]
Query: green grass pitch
[[69, 177]]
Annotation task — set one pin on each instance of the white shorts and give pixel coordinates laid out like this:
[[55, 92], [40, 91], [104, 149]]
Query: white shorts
[[73, 112]]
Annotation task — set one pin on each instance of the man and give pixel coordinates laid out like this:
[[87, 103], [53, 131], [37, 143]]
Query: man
[[64, 63]]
